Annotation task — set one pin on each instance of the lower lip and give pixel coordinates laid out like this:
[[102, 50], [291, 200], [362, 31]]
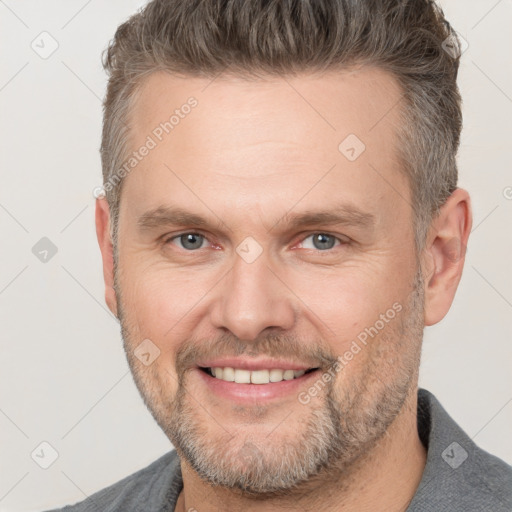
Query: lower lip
[[255, 392]]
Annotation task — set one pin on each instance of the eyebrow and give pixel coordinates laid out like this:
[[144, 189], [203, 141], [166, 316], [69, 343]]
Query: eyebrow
[[347, 214], [168, 216]]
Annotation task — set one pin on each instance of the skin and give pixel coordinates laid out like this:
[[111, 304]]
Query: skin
[[249, 153]]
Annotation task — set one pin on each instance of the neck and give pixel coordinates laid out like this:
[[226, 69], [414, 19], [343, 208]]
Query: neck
[[384, 478]]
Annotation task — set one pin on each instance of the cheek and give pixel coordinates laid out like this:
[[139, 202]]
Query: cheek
[[162, 302], [351, 305], [344, 298], [155, 308]]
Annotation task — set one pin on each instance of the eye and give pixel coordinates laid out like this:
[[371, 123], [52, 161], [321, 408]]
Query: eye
[[188, 241], [320, 241]]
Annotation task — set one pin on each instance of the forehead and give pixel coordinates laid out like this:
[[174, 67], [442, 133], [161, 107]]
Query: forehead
[[267, 143]]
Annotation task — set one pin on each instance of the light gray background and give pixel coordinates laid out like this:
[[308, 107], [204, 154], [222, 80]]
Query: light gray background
[[64, 378]]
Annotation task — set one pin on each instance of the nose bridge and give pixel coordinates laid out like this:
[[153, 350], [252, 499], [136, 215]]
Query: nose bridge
[[252, 298]]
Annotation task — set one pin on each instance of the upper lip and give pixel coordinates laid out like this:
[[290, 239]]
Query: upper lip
[[253, 364]]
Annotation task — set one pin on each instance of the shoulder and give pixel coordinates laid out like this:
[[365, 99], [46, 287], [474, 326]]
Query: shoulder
[[157, 484], [459, 475], [491, 478]]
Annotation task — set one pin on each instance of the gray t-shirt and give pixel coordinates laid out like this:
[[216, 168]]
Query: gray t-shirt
[[458, 476]]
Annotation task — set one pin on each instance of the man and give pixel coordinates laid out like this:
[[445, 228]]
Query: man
[[281, 221]]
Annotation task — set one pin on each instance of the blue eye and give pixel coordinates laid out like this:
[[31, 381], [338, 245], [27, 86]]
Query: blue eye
[[318, 241], [189, 241], [321, 241]]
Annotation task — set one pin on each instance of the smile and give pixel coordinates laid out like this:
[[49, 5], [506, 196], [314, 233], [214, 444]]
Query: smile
[[243, 376]]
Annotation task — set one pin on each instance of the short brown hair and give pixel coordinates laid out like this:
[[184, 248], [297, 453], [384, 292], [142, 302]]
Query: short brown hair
[[277, 37]]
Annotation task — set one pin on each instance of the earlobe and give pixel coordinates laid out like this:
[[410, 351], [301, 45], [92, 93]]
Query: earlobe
[[102, 219], [445, 255]]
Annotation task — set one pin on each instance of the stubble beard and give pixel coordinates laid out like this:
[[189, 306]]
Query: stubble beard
[[332, 436]]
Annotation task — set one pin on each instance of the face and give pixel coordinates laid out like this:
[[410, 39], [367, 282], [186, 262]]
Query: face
[[270, 263]]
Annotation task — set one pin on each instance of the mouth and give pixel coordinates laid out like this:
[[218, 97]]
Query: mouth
[[260, 376], [249, 380]]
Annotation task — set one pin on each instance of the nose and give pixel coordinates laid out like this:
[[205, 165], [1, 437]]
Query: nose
[[252, 298]]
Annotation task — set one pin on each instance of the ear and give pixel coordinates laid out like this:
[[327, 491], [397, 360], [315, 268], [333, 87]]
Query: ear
[[444, 254], [107, 251]]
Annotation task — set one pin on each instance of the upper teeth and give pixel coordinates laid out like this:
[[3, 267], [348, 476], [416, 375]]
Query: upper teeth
[[256, 376]]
